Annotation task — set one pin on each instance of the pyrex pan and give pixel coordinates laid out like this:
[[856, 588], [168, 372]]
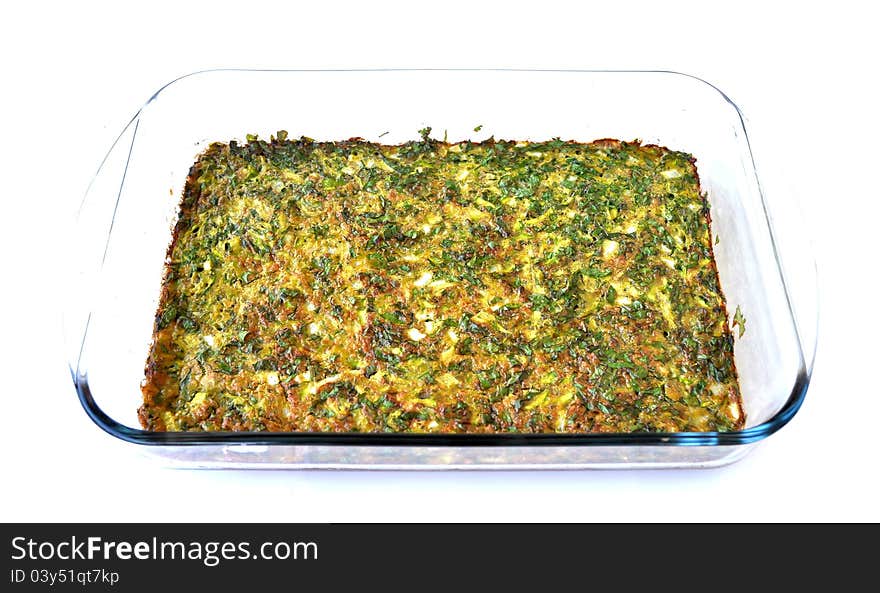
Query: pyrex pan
[[125, 222]]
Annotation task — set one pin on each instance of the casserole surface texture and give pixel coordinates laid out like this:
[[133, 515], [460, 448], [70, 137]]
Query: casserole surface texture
[[497, 286]]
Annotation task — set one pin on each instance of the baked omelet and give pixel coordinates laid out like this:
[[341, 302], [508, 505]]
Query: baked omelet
[[470, 287]]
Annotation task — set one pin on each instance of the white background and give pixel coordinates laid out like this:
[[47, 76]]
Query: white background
[[805, 75]]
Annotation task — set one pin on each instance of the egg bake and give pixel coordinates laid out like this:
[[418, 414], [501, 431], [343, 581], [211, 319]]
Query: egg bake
[[494, 286]]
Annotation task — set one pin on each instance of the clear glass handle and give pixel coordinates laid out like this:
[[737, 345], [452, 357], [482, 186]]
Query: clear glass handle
[[792, 237], [88, 240]]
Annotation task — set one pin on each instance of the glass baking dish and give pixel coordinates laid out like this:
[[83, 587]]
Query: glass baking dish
[[124, 227]]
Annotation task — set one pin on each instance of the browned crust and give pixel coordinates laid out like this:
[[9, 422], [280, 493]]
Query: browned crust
[[736, 397]]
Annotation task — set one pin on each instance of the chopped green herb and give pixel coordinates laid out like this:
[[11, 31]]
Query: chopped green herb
[[739, 321], [492, 286]]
